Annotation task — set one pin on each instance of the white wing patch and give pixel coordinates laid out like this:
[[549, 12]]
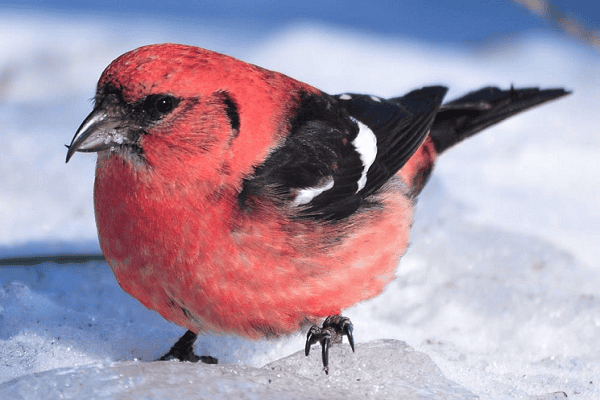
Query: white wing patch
[[345, 97], [366, 146], [305, 196]]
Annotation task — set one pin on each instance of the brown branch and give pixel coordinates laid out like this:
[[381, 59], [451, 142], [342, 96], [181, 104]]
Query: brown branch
[[570, 24]]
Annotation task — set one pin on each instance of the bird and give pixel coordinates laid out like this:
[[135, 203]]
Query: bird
[[236, 200]]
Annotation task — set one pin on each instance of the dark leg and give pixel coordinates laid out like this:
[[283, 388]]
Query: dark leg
[[333, 329], [183, 350]]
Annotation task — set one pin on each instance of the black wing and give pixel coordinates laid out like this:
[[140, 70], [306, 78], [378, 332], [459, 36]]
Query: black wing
[[320, 167], [400, 124], [464, 117]]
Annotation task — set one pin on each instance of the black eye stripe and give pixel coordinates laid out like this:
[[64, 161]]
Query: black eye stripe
[[232, 111]]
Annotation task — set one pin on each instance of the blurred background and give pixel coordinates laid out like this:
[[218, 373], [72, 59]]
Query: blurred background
[[436, 21]]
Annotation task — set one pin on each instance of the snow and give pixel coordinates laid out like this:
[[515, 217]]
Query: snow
[[409, 374], [498, 296]]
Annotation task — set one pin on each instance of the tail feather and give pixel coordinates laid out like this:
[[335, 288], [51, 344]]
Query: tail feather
[[464, 117]]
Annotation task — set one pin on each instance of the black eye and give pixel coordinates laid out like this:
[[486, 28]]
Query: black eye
[[165, 104], [158, 105]]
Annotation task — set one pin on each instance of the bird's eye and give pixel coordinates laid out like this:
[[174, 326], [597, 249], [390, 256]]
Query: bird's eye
[[159, 105], [164, 104]]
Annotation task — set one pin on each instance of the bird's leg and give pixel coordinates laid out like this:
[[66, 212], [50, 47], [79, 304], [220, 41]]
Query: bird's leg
[[183, 350], [333, 329]]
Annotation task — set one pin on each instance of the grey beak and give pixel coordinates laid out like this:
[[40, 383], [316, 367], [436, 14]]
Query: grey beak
[[105, 127]]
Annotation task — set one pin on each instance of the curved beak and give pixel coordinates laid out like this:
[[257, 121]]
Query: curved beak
[[106, 127]]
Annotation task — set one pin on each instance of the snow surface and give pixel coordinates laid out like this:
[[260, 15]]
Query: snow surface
[[498, 296]]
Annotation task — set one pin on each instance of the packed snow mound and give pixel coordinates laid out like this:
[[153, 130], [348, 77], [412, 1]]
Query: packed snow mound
[[381, 369]]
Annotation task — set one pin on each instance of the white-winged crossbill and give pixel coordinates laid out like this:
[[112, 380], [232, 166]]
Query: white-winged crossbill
[[237, 200]]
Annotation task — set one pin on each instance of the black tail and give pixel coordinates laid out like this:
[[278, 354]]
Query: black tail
[[476, 111]]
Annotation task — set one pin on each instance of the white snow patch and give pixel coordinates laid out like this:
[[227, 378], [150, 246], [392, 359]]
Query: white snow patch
[[407, 374]]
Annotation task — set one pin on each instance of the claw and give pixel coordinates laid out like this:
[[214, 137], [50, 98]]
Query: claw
[[307, 345], [325, 354], [348, 329], [311, 338], [333, 329]]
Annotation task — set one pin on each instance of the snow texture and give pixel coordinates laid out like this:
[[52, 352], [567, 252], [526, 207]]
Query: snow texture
[[407, 373], [498, 296]]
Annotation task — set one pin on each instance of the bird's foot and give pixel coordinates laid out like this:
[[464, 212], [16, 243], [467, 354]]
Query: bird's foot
[[183, 350], [333, 329]]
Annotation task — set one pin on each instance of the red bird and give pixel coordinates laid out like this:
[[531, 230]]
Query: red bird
[[237, 200]]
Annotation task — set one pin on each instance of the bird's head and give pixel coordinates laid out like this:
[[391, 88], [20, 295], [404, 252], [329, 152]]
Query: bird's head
[[162, 102]]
